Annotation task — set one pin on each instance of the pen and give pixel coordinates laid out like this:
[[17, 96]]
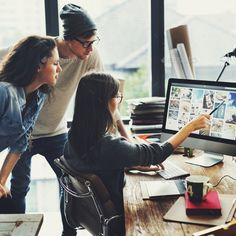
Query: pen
[[216, 108]]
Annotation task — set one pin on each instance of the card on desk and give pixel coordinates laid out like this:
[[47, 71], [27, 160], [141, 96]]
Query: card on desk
[[177, 212], [162, 188]]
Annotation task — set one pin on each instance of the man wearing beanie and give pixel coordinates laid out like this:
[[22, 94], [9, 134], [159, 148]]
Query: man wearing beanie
[[77, 56]]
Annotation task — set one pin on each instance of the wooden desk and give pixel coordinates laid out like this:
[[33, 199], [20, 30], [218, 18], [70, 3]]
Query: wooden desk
[[20, 224], [144, 217]]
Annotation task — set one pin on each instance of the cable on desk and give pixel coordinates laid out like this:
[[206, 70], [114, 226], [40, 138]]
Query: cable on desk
[[223, 178]]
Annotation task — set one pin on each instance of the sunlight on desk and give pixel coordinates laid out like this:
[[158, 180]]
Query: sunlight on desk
[[145, 217]]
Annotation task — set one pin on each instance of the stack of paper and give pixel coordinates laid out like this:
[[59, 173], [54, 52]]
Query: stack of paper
[[146, 114]]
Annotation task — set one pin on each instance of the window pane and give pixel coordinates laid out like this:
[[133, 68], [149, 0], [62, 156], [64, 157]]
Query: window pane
[[124, 29], [211, 27], [19, 19]]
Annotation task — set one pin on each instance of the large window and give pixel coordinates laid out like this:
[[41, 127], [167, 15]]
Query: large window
[[124, 29], [15, 23], [19, 19], [211, 26]]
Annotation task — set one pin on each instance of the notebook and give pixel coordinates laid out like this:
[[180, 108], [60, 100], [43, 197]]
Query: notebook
[[162, 188], [209, 206], [177, 212]]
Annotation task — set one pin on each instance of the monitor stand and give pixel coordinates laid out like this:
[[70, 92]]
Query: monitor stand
[[207, 159]]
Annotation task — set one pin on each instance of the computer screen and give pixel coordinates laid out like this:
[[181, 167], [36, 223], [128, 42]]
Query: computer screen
[[186, 99]]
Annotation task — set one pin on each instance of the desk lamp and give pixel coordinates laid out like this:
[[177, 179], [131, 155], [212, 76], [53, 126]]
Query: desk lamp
[[227, 55]]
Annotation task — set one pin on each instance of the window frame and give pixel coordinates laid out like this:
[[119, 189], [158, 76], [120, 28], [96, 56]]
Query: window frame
[[157, 48], [157, 40], [51, 17]]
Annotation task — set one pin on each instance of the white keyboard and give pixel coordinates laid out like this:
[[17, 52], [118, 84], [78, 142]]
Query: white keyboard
[[172, 171]]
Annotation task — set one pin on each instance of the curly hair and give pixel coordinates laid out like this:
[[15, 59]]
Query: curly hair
[[20, 65]]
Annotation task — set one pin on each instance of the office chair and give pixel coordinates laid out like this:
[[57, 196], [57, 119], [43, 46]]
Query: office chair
[[87, 202]]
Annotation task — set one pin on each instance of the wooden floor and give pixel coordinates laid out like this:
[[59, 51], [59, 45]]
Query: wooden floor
[[52, 225]]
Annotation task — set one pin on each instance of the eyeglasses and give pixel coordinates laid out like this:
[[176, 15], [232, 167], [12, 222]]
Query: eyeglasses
[[119, 98], [87, 44]]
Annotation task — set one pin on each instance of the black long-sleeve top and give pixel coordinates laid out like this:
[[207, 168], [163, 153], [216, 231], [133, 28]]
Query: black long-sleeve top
[[109, 158]]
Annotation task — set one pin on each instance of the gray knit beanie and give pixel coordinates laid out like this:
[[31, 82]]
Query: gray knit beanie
[[76, 21]]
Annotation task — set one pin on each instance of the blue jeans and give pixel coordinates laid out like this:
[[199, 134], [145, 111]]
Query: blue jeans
[[50, 148]]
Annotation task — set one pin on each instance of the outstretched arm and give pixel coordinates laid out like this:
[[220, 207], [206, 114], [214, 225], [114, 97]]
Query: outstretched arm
[[8, 165], [122, 130], [200, 122]]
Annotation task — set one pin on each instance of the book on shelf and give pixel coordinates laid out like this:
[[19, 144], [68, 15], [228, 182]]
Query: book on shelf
[[146, 100], [147, 115], [176, 64], [157, 108], [184, 60], [148, 111], [180, 62], [179, 34], [144, 127], [146, 131], [137, 121], [209, 206]]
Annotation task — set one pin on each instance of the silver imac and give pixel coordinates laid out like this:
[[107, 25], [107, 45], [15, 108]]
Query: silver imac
[[186, 99]]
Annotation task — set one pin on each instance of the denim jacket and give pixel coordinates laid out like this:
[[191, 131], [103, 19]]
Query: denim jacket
[[15, 127]]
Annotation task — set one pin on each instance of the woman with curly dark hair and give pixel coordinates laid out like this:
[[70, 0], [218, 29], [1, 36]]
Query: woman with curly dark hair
[[27, 73]]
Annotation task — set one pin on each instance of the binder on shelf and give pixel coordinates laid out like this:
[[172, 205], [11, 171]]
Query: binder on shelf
[[209, 206], [176, 63], [178, 35], [184, 60]]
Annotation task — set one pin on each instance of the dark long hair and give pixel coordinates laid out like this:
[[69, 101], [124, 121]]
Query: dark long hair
[[20, 65], [92, 118]]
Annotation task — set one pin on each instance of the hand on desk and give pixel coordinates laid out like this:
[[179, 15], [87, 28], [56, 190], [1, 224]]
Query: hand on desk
[[147, 168], [4, 191]]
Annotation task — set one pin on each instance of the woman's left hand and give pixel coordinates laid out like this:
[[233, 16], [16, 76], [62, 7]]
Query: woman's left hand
[[4, 191], [148, 168]]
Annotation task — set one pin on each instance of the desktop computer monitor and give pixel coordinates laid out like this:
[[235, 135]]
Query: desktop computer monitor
[[186, 99]]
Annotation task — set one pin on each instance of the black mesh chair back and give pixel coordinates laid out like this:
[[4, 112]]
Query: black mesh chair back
[[87, 202]]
